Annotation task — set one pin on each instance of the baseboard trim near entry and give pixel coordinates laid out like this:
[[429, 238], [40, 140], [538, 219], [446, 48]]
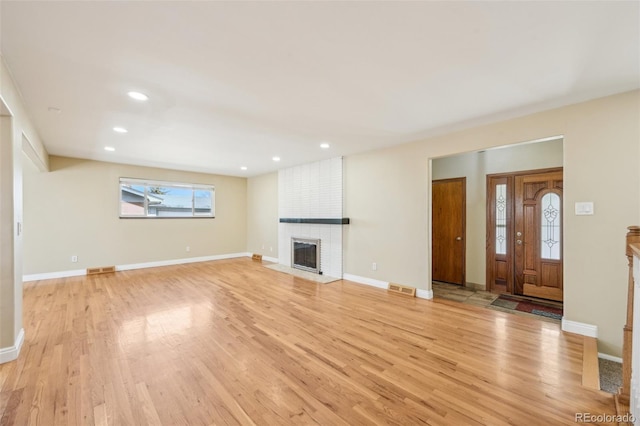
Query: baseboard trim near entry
[[581, 328], [424, 294], [420, 293], [610, 357]]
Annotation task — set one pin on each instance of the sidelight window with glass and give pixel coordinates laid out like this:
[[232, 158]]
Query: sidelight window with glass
[[501, 218], [550, 234]]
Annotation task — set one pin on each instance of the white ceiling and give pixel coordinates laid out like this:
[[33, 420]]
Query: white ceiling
[[234, 83]]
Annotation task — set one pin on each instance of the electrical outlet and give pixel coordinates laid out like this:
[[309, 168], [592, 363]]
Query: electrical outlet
[[270, 248], [74, 259], [374, 266], [188, 248]]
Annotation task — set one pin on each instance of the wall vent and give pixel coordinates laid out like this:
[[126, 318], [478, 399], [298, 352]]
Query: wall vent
[[397, 288], [101, 270], [257, 257]]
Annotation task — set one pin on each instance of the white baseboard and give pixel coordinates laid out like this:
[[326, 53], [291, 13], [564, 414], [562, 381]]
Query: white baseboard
[[131, 266], [420, 293], [53, 275], [424, 294], [610, 357], [581, 328], [11, 353], [180, 261], [367, 281], [271, 259]]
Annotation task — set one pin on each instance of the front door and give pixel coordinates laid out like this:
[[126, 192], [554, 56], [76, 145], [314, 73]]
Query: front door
[[448, 230], [538, 235], [524, 233]]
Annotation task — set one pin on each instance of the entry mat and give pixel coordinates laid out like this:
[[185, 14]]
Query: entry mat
[[529, 306]]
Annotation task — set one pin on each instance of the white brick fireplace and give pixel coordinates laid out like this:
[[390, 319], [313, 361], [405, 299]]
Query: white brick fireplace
[[310, 199]]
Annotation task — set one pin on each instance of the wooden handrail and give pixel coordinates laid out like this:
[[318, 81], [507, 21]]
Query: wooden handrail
[[633, 237]]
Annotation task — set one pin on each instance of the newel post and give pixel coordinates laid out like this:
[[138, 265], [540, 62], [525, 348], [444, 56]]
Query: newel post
[[633, 237]]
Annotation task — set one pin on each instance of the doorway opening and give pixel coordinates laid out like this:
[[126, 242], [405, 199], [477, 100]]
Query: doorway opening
[[478, 242]]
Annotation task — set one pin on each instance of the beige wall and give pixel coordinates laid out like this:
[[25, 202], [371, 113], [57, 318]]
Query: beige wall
[[475, 166], [385, 198], [262, 215], [386, 195], [9, 241], [73, 210]]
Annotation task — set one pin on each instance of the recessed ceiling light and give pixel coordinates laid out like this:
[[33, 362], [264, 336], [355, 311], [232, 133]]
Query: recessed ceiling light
[[324, 145], [120, 130], [109, 148], [243, 168], [138, 96], [276, 158], [54, 109]]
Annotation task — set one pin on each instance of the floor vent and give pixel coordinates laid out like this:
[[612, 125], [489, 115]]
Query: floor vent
[[257, 257], [101, 270], [397, 288]]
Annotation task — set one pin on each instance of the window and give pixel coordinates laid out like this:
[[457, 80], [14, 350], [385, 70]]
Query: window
[[550, 226], [155, 199]]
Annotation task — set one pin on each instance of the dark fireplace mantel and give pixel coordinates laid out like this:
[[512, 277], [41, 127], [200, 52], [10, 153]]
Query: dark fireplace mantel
[[338, 221]]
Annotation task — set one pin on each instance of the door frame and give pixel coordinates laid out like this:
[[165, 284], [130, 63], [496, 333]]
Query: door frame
[[489, 257], [462, 179]]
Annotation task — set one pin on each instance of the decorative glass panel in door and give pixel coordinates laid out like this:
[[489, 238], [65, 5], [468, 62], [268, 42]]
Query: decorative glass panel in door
[[501, 218], [550, 234]]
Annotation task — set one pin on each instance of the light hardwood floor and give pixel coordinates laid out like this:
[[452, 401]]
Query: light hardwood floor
[[232, 342]]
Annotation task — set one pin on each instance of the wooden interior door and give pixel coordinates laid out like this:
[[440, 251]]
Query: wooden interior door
[[538, 235], [448, 200]]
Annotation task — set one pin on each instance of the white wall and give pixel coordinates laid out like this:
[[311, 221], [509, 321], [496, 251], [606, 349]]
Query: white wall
[[475, 166]]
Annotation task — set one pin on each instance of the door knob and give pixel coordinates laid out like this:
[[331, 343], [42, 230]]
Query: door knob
[[458, 238], [518, 234], [519, 242]]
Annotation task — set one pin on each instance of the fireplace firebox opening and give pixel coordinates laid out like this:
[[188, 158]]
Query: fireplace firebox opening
[[305, 254]]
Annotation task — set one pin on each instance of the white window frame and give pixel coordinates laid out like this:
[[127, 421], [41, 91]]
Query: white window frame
[[148, 183]]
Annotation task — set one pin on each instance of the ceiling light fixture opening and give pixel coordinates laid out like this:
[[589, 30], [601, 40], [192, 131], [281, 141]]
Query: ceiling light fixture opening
[[109, 148], [138, 96], [324, 145], [120, 130], [243, 167], [276, 158]]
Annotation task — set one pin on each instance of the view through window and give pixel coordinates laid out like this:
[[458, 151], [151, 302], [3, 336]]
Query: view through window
[[155, 199]]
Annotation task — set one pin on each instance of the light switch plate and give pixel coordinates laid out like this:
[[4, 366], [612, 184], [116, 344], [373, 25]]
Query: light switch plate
[[584, 208]]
